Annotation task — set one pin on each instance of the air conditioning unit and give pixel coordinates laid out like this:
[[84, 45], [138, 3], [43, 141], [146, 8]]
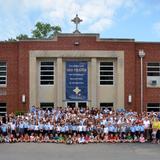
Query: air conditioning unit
[[153, 82]]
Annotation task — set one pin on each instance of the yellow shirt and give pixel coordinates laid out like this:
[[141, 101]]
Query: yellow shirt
[[155, 124], [159, 125]]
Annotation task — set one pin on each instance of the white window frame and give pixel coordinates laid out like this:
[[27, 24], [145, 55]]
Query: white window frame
[[3, 76], [46, 71], [112, 71]]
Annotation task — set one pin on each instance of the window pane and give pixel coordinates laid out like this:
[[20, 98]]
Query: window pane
[[106, 68], [153, 64], [153, 74], [46, 77], [47, 105], [3, 73], [2, 68], [106, 82], [2, 78], [47, 63], [2, 82], [47, 82], [106, 63], [47, 73], [3, 109], [47, 68], [106, 104], [153, 69], [106, 78], [155, 107], [106, 73], [2, 63]]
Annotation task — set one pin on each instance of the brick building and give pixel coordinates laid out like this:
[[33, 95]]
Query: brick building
[[79, 70]]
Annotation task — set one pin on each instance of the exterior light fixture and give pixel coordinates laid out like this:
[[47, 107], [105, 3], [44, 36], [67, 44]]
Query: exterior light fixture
[[76, 43], [23, 98], [129, 98]]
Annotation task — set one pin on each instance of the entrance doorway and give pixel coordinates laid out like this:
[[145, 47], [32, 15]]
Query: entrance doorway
[[82, 104], [71, 104], [77, 104]]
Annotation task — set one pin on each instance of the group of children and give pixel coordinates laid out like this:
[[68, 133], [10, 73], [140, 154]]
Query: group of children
[[75, 138], [80, 126]]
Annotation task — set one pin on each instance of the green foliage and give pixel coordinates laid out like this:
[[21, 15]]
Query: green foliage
[[11, 40], [57, 29], [41, 31], [45, 30], [17, 113], [22, 37]]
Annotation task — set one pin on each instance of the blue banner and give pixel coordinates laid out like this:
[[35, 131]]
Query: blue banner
[[76, 80]]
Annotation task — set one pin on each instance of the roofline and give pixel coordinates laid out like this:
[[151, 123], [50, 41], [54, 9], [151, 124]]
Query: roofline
[[154, 42], [96, 35]]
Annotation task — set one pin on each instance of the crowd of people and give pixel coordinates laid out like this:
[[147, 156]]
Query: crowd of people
[[80, 126]]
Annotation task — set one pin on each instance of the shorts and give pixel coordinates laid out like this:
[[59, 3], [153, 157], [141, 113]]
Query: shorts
[[158, 134]]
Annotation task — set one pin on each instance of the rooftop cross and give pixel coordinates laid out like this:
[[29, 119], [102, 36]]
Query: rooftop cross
[[76, 20]]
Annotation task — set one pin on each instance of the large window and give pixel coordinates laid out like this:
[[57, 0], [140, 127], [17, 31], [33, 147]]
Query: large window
[[155, 107], [153, 69], [106, 73], [46, 72], [3, 109], [3, 73]]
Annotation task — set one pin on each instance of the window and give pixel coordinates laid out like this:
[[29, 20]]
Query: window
[[47, 105], [153, 74], [106, 73], [155, 107], [3, 73], [153, 69], [3, 109], [108, 106], [46, 73]]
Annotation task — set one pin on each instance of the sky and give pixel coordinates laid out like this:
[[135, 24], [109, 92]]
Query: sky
[[137, 19]]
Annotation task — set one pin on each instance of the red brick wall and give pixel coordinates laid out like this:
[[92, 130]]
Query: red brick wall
[[152, 51], [9, 53], [17, 56]]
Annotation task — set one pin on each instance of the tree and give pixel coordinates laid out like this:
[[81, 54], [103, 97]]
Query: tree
[[45, 30], [42, 30], [22, 37], [11, 40]]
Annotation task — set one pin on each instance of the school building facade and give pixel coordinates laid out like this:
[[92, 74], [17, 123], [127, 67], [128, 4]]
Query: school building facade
[[79, 70]]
